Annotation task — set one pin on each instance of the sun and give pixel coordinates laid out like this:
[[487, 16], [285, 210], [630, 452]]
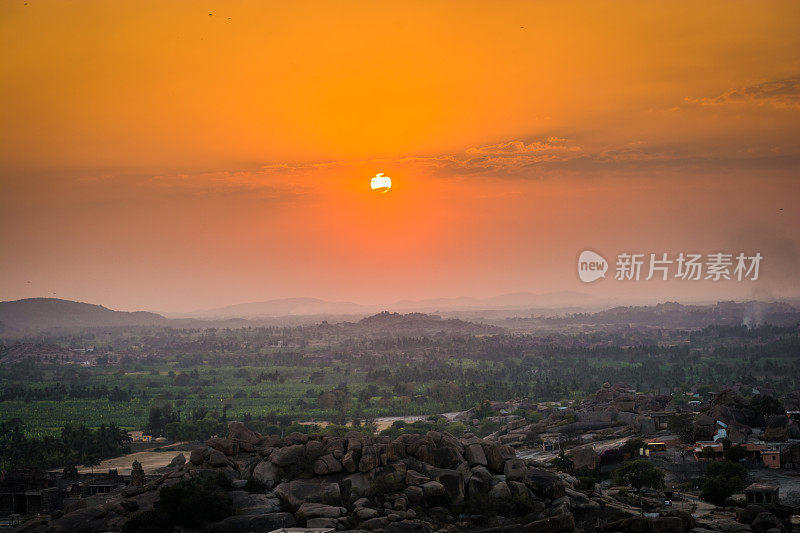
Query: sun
[[381, 183]]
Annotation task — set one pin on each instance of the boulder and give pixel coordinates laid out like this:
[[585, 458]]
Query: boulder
[[365, 513], [178, 460], [288, 454], [519, 491], [295, 438], [350, 460], [327, 464], [252, 504], [583, 456], [414, 494], [321, 523], [225, 446], [353, 442], [369, 459], [239, 433], [475, 456], [452, 481], [267, 473], [334, 446], [314, 448], [433, 489], [309, 510], [544, 484], [375, 523], [515, 470], [246, 464], [749, 513], [500, 492], [765, 521], [198, 455], [445, 457], [295, 493], [217, 458], [480, 482], [415, 478], [496, 455]]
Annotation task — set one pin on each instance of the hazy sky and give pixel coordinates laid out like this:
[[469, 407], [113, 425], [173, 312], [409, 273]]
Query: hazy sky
[[184, 155]]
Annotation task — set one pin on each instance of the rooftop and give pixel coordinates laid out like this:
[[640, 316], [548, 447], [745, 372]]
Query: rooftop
[[762, 487]]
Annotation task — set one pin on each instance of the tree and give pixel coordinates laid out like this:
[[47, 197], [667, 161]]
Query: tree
[[160, 415], [633, 445], [640, 474], [483, 410], [708, 453], [736, 453], [70, 472], [728, 470], [723, 478], [91, 461], [682, 426], [765, 407], [717, 490], [563, 463]]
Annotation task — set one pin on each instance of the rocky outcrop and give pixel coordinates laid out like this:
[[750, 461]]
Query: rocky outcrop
[[780, 428], [790, 455], [584, 456], [412, 483]]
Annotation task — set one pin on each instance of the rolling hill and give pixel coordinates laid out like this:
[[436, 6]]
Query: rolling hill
[[43, 313]]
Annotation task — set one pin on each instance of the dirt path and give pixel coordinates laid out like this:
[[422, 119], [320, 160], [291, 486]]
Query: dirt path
[[384, 422], [540, 455], [150, 460]]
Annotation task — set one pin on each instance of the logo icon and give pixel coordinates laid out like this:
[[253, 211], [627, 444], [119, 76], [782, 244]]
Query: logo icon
[[591, 266]]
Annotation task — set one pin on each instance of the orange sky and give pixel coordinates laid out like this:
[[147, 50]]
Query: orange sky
[[184, 155]]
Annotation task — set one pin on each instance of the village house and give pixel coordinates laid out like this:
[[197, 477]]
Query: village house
[[761, 493], [771, 458]]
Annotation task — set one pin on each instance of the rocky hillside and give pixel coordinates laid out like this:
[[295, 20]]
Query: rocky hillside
[[412, 483], [415, 483], [416, 324]]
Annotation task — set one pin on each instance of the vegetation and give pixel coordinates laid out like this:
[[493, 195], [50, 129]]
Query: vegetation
[[633, 446], [563, 463], [186, 383], [75, 445], [640, 474], [723, 478]]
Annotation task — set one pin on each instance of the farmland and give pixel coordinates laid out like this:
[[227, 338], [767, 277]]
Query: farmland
[[320, 372]]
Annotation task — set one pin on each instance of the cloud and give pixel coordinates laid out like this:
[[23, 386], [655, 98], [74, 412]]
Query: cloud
[[779, 93], [551, 144], [511, 159]]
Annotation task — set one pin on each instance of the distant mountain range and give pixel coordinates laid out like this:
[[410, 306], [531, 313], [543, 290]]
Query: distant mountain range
[[280, 307], [21, 317], [315, 306]]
